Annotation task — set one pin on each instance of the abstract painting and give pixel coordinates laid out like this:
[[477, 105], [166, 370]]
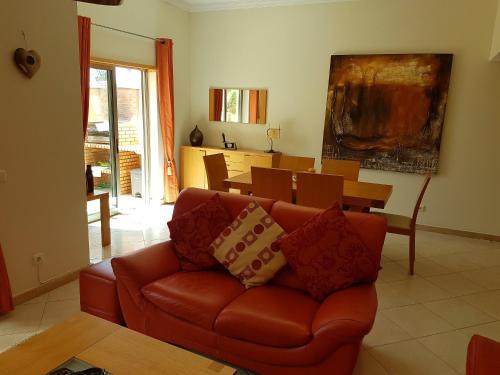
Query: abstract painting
[[387, 110]]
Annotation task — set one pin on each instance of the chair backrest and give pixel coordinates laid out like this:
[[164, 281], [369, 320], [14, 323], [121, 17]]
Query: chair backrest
[[272, 183], [296, 163], [216, 169], [427, 179], [319, 190], [347, 168]]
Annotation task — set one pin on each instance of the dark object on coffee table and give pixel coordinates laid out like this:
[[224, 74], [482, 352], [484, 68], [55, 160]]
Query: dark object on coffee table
[[75, 366], [89, 371]]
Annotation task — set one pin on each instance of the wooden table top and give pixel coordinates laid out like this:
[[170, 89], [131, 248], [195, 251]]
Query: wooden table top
[[106, 345], [356, 193]]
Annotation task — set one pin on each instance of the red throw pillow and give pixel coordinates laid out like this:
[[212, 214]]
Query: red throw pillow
[[327, 254], [194, 231]]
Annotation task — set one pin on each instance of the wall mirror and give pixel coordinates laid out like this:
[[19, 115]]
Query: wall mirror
[[246, 106]]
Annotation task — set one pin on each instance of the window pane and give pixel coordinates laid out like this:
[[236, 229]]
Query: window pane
[[97, 144], [98, 126], [130, 132], [232, 105]]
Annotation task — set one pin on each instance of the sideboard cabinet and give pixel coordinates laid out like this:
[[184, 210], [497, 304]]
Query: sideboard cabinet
[[237, 162]]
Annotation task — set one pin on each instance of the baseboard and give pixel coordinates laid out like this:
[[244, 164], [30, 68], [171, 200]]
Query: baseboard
[[461, 233], [54, 283]]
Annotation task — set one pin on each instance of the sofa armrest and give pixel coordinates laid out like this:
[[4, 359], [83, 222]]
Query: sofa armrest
[[136, 270], [483, 356], [347, 315]]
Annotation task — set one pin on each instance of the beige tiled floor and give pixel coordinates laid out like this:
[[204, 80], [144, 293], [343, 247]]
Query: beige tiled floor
[[130, 232], [423, 324]]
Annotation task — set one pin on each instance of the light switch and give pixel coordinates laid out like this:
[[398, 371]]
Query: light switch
[[3, 176]]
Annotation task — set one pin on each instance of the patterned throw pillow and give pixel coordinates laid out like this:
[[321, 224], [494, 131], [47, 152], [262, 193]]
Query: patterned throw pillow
[[248, 248], [194, 231], [327, 254]]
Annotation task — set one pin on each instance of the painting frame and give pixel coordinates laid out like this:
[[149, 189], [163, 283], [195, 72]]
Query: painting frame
[[387, 110]]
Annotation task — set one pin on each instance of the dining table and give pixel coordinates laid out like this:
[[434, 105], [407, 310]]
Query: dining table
[[356, 193]]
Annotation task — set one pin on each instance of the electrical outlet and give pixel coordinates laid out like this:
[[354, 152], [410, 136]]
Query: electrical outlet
[[3, 176], [38, 258]]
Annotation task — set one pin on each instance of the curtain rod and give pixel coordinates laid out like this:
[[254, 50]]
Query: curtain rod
[[123, 31]]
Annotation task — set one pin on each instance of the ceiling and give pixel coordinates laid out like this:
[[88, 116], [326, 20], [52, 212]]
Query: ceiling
[[211, 5]]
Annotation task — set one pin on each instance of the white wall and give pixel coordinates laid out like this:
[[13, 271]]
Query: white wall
[[288, 50], [42, 206], [154, 18]]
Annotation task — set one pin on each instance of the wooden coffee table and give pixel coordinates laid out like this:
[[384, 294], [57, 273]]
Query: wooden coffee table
[[117, 349]]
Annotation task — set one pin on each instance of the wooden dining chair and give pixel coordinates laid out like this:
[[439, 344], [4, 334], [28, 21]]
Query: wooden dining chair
[[404, 225], [296, 163], [216, 169], [347, 168], [272, 183], [319, 190]]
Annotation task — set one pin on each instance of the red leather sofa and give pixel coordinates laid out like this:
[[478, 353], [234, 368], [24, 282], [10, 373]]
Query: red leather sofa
[[274, 329], [483, 356]]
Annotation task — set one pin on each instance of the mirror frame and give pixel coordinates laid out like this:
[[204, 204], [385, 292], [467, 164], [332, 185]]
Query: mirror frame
[[261, 110]]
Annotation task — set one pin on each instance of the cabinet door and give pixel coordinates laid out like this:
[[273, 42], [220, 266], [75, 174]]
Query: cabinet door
[[193, 168], [254, 160]]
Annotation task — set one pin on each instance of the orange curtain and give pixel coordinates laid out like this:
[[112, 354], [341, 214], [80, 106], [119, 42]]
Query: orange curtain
[[165, 78], [6, 304], [253, 115], [217, 104], [84, 43]]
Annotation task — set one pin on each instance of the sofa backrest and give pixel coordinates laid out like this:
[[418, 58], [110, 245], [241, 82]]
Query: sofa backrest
[[234, 203], [371, 228]]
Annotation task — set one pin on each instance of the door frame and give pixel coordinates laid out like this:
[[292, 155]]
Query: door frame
[[113, 129], [110, 66]]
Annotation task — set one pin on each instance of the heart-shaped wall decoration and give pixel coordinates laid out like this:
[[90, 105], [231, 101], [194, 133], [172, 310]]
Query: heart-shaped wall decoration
[[27, 61]]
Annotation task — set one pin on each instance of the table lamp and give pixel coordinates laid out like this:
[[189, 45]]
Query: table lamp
[[272, 133]]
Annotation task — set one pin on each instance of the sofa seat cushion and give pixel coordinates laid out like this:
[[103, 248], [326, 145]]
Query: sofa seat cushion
[[269, 315], [196, 297]]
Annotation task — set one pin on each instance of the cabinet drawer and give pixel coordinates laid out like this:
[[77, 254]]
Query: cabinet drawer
[[234, 165], [234, 172], [233, 156], [253, 160]]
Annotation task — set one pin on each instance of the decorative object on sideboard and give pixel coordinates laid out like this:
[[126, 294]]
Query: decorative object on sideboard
[[387, 110], [227, 144], [196, 137], [89, 176], [272, 133], [27, 61], [102, 2]]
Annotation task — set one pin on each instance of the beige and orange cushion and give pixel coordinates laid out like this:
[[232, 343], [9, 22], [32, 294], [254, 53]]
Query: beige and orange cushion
[[248, 247]]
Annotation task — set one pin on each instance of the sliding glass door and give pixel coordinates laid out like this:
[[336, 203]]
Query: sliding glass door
[[131, 135], [101, 143], [116, 135]]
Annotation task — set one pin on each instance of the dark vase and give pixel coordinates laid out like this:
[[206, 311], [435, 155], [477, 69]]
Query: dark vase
[[196, 137], [90, 180]]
